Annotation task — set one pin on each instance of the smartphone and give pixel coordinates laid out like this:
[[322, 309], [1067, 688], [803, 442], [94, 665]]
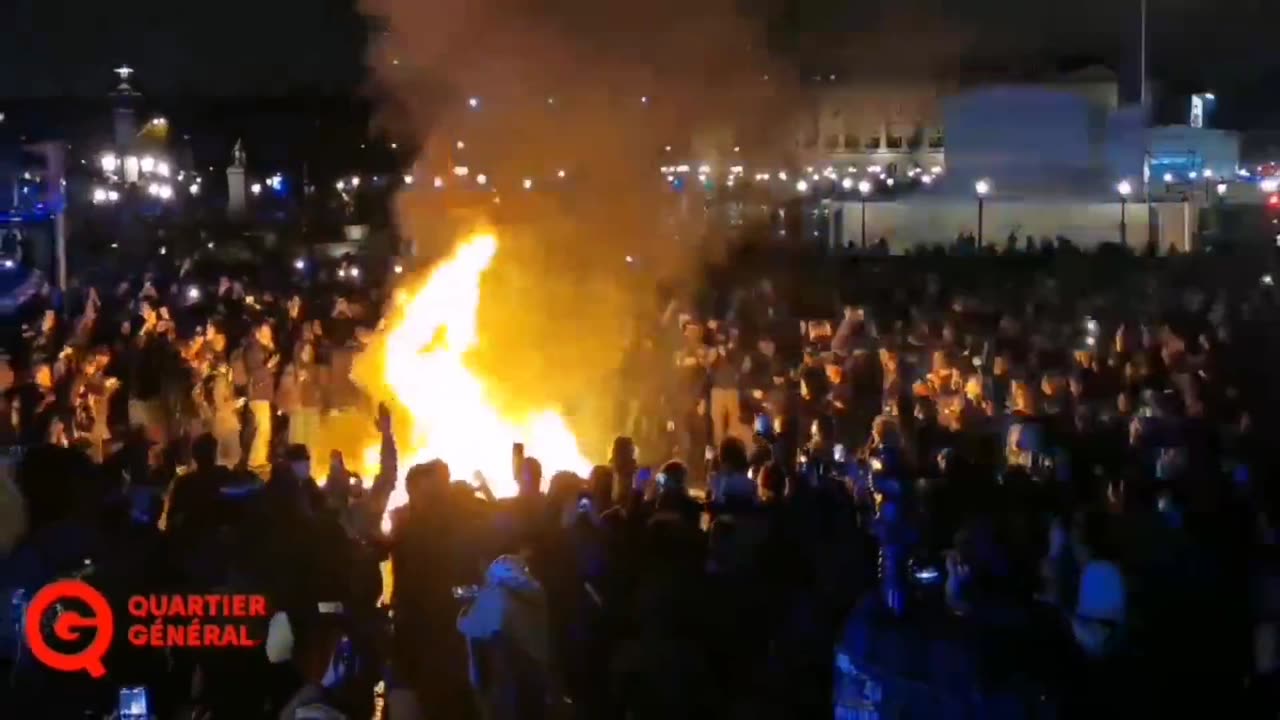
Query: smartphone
[[517, 460], [839, 453], [133, 703], [465, 592], [643, 476]]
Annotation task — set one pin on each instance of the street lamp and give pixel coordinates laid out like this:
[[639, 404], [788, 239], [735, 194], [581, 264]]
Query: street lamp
[[802, 186], [864, 189], [981, 188], [1124, 188], [109, 162], [847, 183]]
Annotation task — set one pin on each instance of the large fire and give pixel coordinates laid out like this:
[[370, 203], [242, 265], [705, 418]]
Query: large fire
[[452, 416]]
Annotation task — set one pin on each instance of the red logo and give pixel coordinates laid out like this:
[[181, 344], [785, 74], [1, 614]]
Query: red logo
[[212, 620], [68, 627]]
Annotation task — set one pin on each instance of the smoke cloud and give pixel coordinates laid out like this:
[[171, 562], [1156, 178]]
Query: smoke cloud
[[599, 91]]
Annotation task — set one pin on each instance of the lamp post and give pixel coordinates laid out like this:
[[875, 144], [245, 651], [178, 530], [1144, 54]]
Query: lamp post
[[864, 189], [1124, 188], [982, 187]]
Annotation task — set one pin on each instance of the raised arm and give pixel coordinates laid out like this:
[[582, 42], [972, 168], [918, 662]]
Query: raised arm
[[388, 469]]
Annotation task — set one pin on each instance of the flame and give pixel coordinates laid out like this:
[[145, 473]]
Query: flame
[[449, 408]]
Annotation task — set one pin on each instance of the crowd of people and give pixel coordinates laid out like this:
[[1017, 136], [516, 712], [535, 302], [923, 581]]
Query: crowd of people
[[986, 494]]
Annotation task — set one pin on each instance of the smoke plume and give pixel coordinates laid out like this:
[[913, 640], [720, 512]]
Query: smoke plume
[[598, 91]]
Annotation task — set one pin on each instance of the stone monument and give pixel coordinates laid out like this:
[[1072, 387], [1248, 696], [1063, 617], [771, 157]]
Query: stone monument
[[124, 110], [236, 182]]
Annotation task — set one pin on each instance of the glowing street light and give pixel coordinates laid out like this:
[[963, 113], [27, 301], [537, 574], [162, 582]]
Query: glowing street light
[[528, 183], [408, 179], [148, 164], [926, 179], [113, 196], [341, 185], [165, 192], [560, 174], [162, 169], [1124, 188], [437, 182], [460, 145], [847, 183], [473, 102], [981, 187], [1207, 173], [802, 186], [194, 189], [864, 189], [1222, 189], [461, 171], [1168, 178], [256, 188], [482, 179], [355, 181], [109, 162], [99, 196]]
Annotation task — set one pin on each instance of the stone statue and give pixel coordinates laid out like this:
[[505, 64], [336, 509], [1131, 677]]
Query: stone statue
[[237, 154]]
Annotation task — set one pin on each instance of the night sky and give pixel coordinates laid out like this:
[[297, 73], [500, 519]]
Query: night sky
[[257, 48]]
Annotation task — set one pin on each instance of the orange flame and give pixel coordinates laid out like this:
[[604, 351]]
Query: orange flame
[[450, 410]]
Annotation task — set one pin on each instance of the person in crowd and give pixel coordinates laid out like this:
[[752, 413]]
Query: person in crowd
[[1048, 472], [261, 360]]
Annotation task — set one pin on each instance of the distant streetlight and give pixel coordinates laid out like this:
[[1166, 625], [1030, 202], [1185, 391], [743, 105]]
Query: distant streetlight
[[1168, 178], [473, 102], [802, 186], [981, 188], [1124, 188], [528, 183], [256, 188], [437, 181], [460, 145], [482, 178], [148, 163], [560, 174], [99, 196], [195, 189], [847, 183], [408, 179], [864, 189], [109, 162], [1222, 189], [166, 192]]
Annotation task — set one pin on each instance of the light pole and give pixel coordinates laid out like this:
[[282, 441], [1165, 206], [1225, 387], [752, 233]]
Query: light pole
[[982, 187], [864, 189], [1124, 188]]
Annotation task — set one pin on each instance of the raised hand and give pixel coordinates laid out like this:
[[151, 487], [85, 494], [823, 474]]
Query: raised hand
[[383, 421]]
